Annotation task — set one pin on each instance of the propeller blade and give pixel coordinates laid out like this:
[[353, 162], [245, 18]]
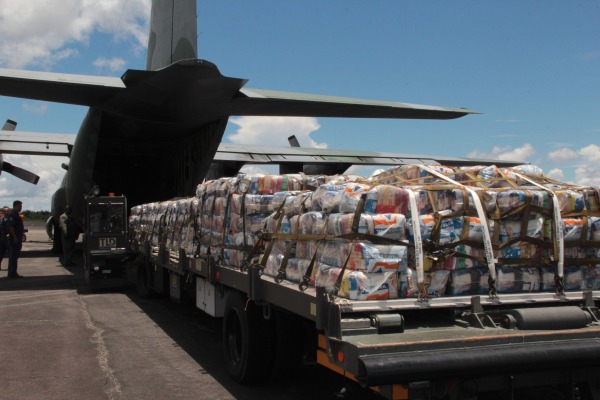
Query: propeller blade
[[9, 125], [20, 173]]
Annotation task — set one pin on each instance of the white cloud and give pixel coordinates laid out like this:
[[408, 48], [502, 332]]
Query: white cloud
[[587, 175], [34, 197], [507, 153], [366, 170], [274, 131], [591, 152], [113, 64], [556, 173], [38, 107], [587, 172], [562, 155], [584, 168], [41, 32], [266, 169]]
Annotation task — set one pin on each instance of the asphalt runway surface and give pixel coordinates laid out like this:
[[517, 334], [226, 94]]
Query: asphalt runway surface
[[59, 340]]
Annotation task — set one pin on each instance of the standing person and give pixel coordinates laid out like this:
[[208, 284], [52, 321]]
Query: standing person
[[15, 238], [4, 233], [69, 232]]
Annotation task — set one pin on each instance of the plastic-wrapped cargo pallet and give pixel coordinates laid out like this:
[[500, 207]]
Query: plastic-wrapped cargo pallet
[[522, 210], [410, 231]]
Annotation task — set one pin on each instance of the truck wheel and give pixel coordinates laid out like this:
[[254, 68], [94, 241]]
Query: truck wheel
[[143, 280], [247, 340]]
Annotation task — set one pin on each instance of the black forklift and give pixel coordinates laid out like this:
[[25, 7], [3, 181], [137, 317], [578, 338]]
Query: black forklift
[[105, 241]]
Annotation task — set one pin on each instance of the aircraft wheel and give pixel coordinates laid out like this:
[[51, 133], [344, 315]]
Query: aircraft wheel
[[247, 340]]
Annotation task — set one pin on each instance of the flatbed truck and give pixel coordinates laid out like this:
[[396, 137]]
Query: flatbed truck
[[404, 348]]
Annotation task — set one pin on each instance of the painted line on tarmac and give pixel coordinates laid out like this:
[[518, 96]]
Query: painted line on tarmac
[[113, 391]]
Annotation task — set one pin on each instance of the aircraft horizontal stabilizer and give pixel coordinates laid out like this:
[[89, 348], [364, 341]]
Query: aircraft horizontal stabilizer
[[83, 90], [195, 90], [277, 103]]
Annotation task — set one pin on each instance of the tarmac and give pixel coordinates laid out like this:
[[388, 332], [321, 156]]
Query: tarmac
[[59, 340]]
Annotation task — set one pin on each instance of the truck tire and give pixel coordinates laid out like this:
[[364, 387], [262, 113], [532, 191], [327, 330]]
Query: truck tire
[[143, 280], [247, 340]]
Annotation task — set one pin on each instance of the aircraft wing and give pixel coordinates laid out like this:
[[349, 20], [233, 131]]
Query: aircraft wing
[[85, 90], [34, 143], [229, 152], [277, 103]]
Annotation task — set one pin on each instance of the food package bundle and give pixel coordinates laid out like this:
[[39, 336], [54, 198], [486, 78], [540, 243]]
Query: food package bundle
[[412, 175], [464, 257], [391, 226], [234, 258], [358, 285], [363, 256], [158, 224], [134, 222], [368, 257], [487, 176], [327, 198], [170, 239], [271, 184], [512, 204], [296, 269], [520, 216], [190, 243], [508, 280], [140, 224], [576, 277], [517, 280], [295, 203], [408, 285], [581, 237], [183, 228], [513, 241], [470, 281], [248, 204], [449, 230], [386, 199]]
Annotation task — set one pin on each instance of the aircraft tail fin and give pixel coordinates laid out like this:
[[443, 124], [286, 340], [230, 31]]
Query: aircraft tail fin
[[173, 33]]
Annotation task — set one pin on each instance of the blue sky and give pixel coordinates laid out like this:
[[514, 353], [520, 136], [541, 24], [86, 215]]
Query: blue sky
[[531, 68]]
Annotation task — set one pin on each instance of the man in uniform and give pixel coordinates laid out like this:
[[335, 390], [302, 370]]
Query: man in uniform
[[4, 233], [69, 231], [15, 238]]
